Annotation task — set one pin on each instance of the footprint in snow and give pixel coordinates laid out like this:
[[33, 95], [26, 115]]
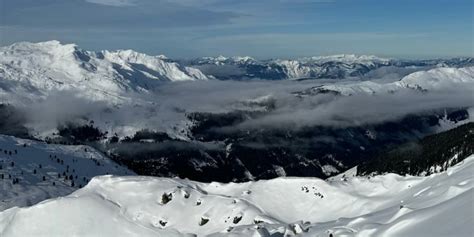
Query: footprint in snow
[[138, 216]]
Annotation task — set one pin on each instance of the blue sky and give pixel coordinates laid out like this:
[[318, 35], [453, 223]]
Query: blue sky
[[258, 28]]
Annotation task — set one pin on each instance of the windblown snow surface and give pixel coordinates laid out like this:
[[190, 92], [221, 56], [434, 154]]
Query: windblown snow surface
[[387, 205]]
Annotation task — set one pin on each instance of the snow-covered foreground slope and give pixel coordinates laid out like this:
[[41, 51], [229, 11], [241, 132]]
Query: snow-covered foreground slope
[[387, 205], [39, 68], [33, 171]]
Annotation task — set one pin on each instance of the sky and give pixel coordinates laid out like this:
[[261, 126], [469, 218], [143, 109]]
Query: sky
[[257, 28]]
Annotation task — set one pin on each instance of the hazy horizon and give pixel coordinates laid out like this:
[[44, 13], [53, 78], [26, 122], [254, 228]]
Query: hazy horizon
[[412, 57], [260, 29]]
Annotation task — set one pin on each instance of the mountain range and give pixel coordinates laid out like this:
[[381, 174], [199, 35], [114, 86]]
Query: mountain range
[[36, 69], [164, 118], [322, 67], [52, 65]]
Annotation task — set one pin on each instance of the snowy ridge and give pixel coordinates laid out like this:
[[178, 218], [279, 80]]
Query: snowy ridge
[[434, 79], [38, 68], [438, 78], [386, 205], [166, 70]]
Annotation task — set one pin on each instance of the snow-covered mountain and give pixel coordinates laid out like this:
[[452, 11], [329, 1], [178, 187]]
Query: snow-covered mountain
[[438, 78], [318, 67], [384, 205], [38, 68], [431, 80], [32, 171], [335, 66]]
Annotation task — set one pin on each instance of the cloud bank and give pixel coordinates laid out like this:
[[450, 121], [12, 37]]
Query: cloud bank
[[167, 107]]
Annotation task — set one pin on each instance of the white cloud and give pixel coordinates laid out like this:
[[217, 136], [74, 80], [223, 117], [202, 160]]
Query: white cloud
[[115, 3], [194, 2]]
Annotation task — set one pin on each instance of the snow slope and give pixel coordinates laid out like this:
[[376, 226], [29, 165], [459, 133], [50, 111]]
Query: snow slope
[[386, 205], [39, 68], [438, 78], [33, 160]]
